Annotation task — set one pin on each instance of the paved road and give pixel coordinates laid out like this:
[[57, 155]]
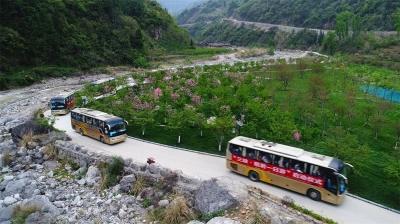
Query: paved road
[[206, 167]]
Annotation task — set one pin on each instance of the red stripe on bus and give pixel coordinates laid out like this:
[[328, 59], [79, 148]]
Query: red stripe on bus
[[289, 173]]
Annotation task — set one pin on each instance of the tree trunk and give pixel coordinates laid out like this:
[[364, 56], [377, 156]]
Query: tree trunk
[[143, 130], [221, 139], [201, 132], [179, 139]]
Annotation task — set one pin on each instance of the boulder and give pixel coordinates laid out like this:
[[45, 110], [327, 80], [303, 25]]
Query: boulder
[[26, 128], [6, 213], [40, 217], [270, 215], [286, 200], [163, 203], [195, 222], [50, 164], [222, 220], [211, 197], [92, 175], [126, 183], [41, 202], [9, 200], [16, 186]]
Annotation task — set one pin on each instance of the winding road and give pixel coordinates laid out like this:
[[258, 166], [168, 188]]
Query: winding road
[[205, 166]]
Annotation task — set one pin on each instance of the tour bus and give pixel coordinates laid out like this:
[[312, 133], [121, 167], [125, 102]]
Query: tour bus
[[62, 104], [317, 176], [104, 127]]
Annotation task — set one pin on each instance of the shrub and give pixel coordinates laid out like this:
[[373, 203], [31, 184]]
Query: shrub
[[111, 172], [207, 217], [7, 158], [20, 213], [28, 137], [178, 212], [138, 186], [51, 151]]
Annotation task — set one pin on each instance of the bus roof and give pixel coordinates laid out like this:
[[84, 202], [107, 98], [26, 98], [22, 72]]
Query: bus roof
[[286, 151], [63, 95], [95, 114]]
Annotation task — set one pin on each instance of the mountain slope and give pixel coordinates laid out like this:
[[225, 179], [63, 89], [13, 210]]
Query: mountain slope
[[374, 14], [83, 33]]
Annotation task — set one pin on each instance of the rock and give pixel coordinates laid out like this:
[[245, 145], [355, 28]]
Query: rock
[[59, 204], [211, 197], [286, 200], [50, 165], [126, 183], [222, 220], [40, 217], [195, 222], [27, 128], [6, 213], [16, 187], [9, 200], [81, 181], [92, 176], [8, 177], [153, 169], [122, 213], [270, 215], [163, 203], [42, 202]]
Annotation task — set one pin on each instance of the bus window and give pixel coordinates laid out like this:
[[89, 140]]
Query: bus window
[[314, 170], [89, 120], [235, 149], [277, 159], [73, 115], [286, 162], [96, 122], [250, 153], [265, 157], [298, 166]]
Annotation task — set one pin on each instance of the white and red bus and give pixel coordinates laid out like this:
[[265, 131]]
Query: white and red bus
[[318, 176], [62, 104]]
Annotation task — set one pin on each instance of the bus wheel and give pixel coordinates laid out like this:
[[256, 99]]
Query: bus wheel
[[314, 194], [253, 175], [81, 132]]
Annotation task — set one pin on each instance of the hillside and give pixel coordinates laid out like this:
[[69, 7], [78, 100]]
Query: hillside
[[374, 14], [84, 33]]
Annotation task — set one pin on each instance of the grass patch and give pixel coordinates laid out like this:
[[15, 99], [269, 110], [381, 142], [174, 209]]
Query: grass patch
[[51, 151], [138, 186], [20, 213], [7, 158], [207, 217], [312, 214]]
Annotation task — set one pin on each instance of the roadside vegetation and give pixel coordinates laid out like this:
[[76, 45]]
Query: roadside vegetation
[[202, 108]]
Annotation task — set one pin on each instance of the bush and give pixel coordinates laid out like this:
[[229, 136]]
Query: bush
[[7, 158], [51, 151], [178, 212], [138, 186], [111, 172], [28, 137], [20, 213]]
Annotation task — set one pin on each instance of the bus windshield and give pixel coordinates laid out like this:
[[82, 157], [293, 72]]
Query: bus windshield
[[57, 103], [116, 127]]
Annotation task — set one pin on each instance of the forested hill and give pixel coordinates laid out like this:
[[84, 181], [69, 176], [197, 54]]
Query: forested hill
[[374, 14], [84, 33]]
